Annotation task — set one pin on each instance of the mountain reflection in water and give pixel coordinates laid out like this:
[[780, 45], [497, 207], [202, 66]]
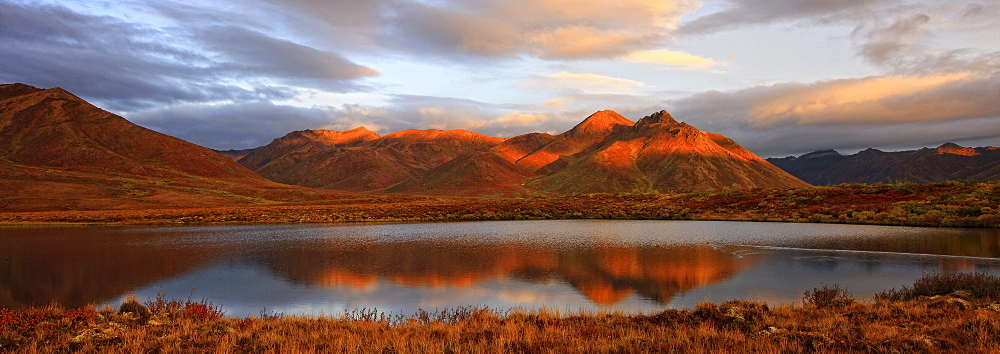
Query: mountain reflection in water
[[604, 274], [636, 266]]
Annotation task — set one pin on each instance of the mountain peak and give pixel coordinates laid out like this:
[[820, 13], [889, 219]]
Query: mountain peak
[[658, 118], [327, 137], [955, 149], [821, 153], [17, 89], [600, 123]]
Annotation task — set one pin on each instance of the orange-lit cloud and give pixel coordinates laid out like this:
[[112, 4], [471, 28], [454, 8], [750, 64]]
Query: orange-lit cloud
[[889, 112], [551, 29], [879, 100]]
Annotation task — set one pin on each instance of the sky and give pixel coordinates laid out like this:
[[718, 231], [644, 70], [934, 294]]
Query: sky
[[782, 77]]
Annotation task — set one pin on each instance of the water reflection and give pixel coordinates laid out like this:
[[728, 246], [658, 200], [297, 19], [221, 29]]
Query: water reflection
[[77, 266], [605, 274], [637, 266]]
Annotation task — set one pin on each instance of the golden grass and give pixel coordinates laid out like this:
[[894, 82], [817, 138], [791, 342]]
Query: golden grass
[[923, 325]]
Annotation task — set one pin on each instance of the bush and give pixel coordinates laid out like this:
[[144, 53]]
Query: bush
[[827, 296], [979, 285]]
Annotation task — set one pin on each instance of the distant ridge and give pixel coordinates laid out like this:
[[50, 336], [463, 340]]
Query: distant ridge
[[605, 153], [927, 165]]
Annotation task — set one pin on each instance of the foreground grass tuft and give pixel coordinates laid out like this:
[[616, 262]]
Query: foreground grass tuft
[[830, 320], [828, 296], [974, 285]]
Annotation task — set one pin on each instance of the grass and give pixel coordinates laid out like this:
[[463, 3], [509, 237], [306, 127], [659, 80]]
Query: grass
[[974, 285], [942, 204], [828, 320]]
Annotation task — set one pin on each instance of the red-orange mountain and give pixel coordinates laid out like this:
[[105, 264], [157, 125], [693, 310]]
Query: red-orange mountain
[[659, 154], [59, 152], [606, 153]]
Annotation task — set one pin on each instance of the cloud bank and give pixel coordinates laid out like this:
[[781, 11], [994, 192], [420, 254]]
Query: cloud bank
[[236, 75]]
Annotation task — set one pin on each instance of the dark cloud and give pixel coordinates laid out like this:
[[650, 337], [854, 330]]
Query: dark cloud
[[900, 45], [249, 52], [126, 66], [232, 126]]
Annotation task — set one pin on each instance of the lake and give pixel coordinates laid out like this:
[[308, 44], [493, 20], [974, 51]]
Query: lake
[[566, 265]]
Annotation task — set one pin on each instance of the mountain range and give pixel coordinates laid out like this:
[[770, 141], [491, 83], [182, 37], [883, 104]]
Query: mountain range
[[59, 152], [605, 153], [927, 165]]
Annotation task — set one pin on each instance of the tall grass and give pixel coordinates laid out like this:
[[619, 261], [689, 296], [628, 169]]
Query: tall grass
[[829, 320], [976, 285]]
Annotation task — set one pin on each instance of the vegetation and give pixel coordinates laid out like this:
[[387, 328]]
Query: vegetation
[[966, 285], [829, 319], [941, 204]]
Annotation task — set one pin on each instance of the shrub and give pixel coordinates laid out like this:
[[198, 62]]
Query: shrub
[[132, 305], [827, 296], [979, 285]]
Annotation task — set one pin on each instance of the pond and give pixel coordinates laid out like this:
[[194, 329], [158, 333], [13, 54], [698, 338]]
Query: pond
[[565, 265]]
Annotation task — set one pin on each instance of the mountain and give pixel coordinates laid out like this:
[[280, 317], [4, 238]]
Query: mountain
[[927, 165], [273, 159], [605, 153], [475, 173], [365, 162], [658, 153], [234, 154], [59, 151], [555, 154]]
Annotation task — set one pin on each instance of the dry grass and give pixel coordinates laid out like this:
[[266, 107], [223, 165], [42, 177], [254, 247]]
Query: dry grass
[[920, 325], [943, 204]]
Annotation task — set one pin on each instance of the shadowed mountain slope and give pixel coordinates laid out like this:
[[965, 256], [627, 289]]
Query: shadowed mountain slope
[[926, 165]]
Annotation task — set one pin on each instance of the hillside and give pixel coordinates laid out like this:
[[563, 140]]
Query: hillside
[[660, 154], [59, 152], [367, 164], [926, 165]]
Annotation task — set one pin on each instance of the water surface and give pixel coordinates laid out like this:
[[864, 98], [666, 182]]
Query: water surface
[[633, 266]]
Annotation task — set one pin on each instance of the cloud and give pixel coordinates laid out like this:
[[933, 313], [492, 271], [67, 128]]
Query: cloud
[[672, 59], [231, 125], [876, 100], [746, 12], [584, 83], [789, 118], [550, 29], [250, 52], [127, 66], [906, 42]]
